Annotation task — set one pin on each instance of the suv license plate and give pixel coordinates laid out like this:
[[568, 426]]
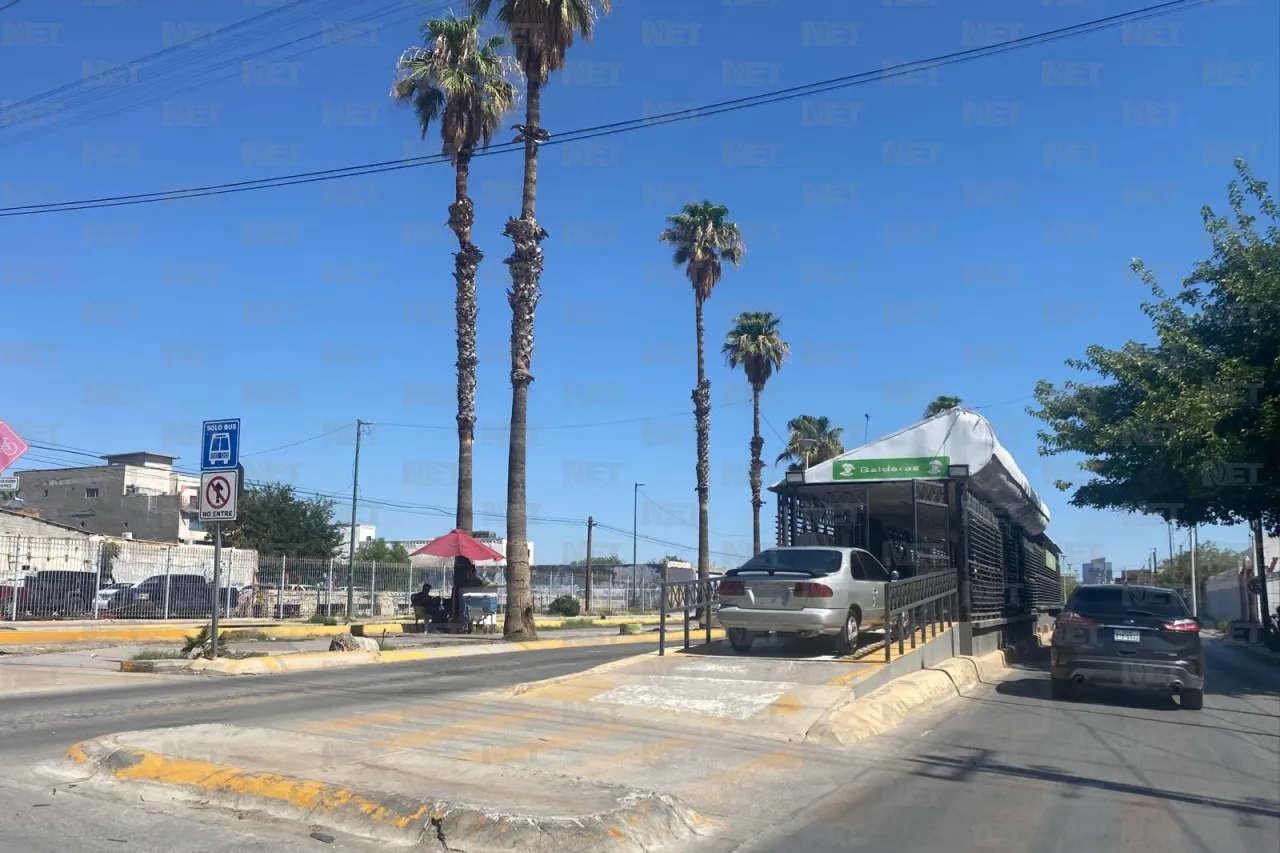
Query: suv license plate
[[1128, 637]]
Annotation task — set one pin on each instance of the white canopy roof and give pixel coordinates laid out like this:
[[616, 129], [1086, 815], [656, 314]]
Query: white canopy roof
[[926, 450]]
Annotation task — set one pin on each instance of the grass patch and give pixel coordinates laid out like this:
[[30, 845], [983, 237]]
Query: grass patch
[[245, 635], [158, 654], [387, 646], [319, 619], [569, 624]]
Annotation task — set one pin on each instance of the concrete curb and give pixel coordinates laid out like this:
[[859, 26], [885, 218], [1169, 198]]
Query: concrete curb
[[163, 665], [890, 706], [641, 822], [164, 633], [313, 661]]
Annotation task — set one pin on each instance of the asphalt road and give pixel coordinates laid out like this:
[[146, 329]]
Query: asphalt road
[[1010, 770], [39, 726]]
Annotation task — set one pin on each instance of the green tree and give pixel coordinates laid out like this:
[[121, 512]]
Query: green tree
[[382, 551], [810, 441], [541, 31], [1187, 427], [1211, 559], [273, 520], [460, 82], [755, 345], [608, 560], [702, 238], [941, 404]]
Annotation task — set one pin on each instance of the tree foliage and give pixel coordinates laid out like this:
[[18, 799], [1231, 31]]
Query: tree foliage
[[603, 560], [382, 551], [1187, 426], [811, 440], [273, 520], [1211, 559], [940, 404]]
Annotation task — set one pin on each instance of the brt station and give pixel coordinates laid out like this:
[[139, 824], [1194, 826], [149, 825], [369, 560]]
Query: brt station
[[940, 500], [968, 570]]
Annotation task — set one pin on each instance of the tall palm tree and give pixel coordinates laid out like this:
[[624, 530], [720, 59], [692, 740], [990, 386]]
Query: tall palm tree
[[542, 31], [702, 237], [811, 440], [755, 345], [463, 84], [941, 404]]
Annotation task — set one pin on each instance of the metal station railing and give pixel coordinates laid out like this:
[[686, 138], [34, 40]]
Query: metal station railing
[[929, 602], [690, 598]]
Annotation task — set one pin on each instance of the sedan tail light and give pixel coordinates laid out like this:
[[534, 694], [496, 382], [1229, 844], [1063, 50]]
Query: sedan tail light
[[732, 588], [1069, 618], [813, 590], [1186, 626]]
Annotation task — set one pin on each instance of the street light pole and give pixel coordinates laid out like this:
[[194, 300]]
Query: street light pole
[[635, 524], [1195, 543], [351, 554]]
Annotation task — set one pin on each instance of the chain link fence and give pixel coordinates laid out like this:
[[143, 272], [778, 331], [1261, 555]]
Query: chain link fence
[[108, 578]]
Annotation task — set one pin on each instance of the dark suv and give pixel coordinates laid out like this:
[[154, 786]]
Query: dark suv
[[1136, 637], [188, 596], [63, 594]]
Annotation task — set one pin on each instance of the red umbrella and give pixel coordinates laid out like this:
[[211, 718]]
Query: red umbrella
[[457, 544]]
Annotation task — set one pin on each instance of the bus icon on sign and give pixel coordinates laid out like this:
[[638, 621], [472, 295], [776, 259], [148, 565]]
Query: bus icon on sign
[[220, 448]]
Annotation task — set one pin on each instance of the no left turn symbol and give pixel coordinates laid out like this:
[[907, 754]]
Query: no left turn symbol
[[217, 492]]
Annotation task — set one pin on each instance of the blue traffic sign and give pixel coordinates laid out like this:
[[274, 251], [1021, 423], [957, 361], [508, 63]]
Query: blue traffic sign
[[220, 445]]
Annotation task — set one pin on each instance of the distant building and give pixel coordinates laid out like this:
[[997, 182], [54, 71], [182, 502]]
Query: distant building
[[364, 533], [134, 495], [1137, 577], [1097, 570]]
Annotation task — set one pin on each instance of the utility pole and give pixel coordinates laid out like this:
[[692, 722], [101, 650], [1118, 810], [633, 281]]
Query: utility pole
[[635, 526], [1260, 572], [591, 522], [866, 428], [1170, 526], [1195, 609], [351, 554]]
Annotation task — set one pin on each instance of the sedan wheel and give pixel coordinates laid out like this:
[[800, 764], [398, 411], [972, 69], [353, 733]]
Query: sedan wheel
[[740, 639], [847, 639]]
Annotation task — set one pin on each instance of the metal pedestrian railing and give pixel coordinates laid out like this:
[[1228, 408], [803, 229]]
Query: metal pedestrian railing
[[926, 602], [691, 597]]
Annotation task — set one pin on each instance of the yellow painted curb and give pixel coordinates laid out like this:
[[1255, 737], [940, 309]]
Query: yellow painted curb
[[313, 661], [164, 633]]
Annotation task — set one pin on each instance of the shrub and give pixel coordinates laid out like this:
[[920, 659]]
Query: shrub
[[565, 605], [203, 641]]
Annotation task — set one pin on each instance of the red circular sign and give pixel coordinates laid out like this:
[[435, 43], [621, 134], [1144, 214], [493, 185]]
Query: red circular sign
[[217, 492]]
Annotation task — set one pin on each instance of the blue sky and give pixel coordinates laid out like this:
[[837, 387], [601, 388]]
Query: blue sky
[[959, 232]]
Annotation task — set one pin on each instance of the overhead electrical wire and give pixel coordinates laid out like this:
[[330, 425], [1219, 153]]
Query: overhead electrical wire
[[582, 134], [188, 66]]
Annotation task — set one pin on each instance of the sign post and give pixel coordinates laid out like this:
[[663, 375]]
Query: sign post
[[219, 493]]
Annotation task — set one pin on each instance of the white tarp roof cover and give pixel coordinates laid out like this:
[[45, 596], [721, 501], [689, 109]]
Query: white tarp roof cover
[[926, 449]]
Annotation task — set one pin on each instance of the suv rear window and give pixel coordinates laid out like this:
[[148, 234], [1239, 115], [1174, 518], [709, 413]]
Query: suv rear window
[[1120, 600], [815, 561]]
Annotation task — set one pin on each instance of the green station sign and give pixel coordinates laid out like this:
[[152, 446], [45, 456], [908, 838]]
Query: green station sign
[[912, 468]]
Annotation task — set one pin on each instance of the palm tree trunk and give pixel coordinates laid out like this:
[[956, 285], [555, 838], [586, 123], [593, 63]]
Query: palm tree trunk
[[465, 263], [702, 420], [526, 269], [757, 466]]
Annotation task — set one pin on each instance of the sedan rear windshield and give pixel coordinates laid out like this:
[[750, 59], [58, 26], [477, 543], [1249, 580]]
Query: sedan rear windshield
[[1123, 601], [815, 561]]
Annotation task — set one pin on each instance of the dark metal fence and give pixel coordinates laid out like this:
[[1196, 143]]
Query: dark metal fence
[[930, 602], [689, 598]]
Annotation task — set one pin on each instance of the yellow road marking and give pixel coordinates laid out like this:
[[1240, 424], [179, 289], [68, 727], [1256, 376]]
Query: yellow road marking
[[654, 749], [422, 737], [537, 746], [785, 705], [772, 761], [342, 724]]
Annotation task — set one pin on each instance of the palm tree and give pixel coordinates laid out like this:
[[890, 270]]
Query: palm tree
[[462, 83], [755, 345], [811, 440], [940, 405], [542, 31], [701, 237]]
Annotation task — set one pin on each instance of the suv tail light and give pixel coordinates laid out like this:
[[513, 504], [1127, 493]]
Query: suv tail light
[[813, 590], [1186, 626], [732, 588], [1067, 617]]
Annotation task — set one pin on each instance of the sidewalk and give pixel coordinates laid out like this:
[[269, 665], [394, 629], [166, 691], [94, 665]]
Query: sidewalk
[[56, 633]]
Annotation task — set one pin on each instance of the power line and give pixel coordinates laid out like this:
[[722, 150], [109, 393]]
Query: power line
[[614, 128], [584, 425], [189, 54], [684, 521], [10, 5]]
